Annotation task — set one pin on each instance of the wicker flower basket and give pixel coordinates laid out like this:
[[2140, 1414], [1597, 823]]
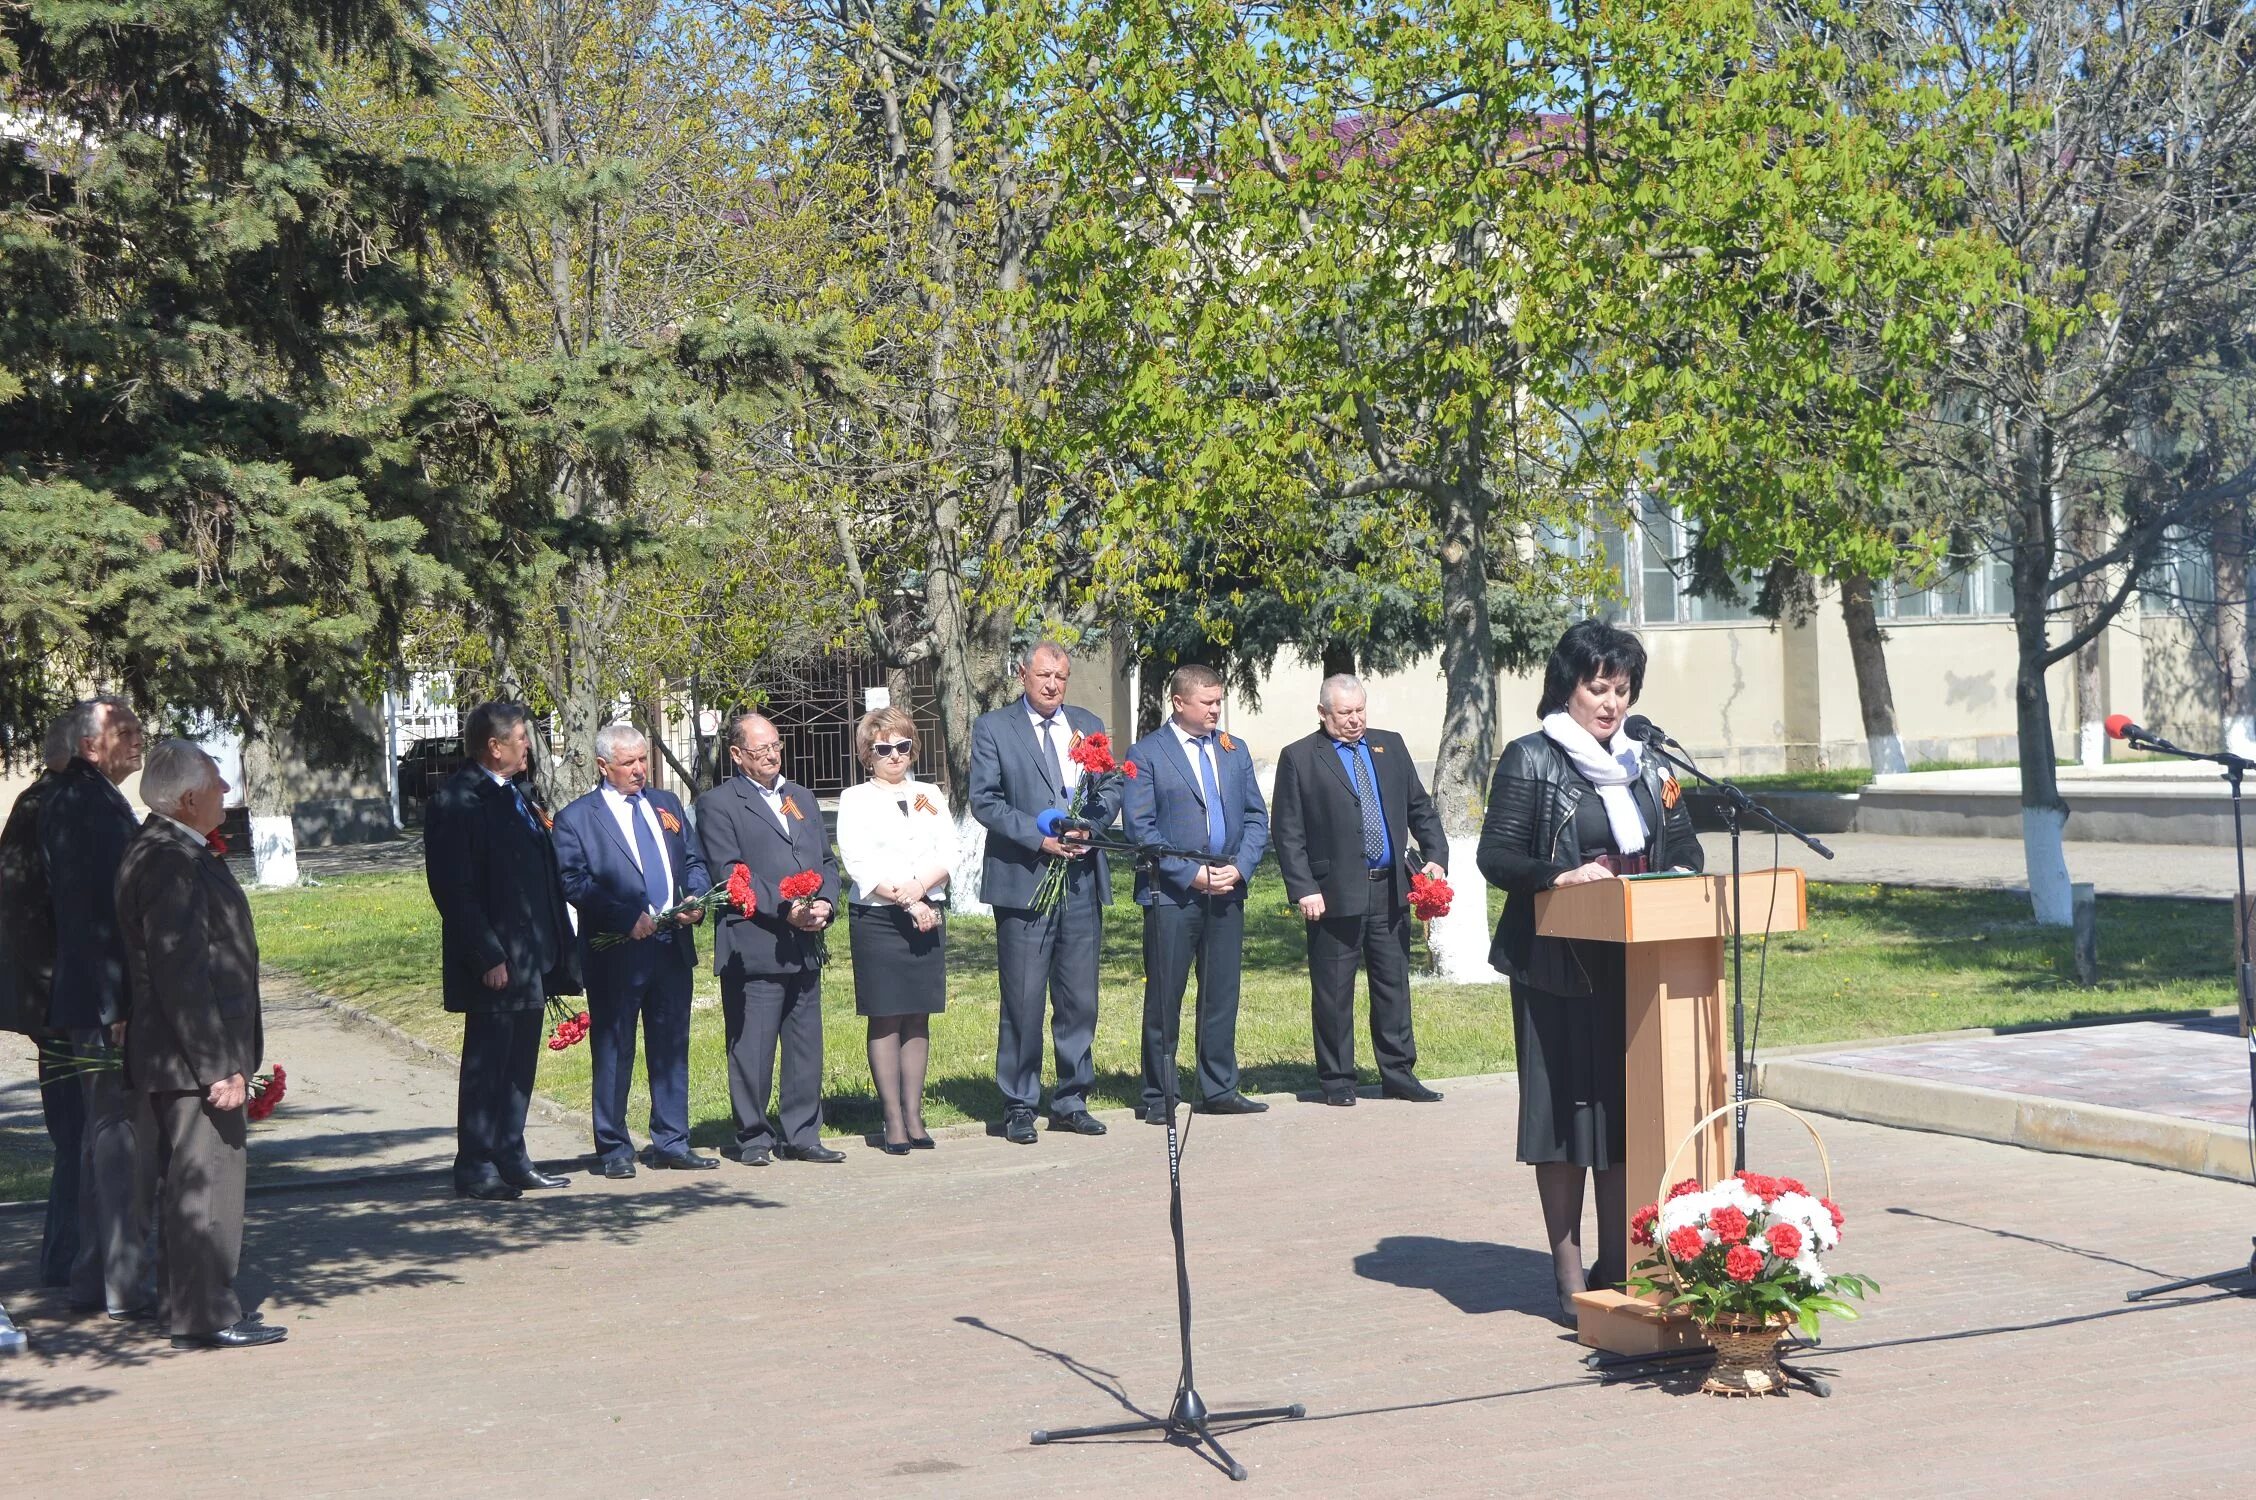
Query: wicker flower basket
[[1746, 1348]]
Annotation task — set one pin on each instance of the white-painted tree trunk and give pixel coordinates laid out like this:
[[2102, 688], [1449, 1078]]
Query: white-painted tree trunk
[[2091, 743], [2240, 734], [274, 847], [1460, 940], [1887, 754], [963, 878], [2050, 895]]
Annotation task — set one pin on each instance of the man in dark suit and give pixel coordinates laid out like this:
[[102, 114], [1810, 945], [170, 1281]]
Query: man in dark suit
[[84, 828], [506, 942], [626, 852], [195, 1040], [770, 963], [1347, 797], [27, 987], [1019, 769], [1194, 789]]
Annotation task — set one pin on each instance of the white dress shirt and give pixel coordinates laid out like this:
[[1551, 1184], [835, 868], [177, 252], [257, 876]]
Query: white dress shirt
[[1192, 750], [1061, 738], [773, 797], [622, 812], [880, 844]]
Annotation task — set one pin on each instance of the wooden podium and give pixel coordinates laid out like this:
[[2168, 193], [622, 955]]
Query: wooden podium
[[1677, 1064]]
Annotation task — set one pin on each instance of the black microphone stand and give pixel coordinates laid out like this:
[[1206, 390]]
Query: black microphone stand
[[2235, 767], [1736, 804], [1188, 1422]]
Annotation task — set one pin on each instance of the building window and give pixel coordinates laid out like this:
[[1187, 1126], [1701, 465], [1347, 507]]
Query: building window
[[2183, 576], [1966, 587]]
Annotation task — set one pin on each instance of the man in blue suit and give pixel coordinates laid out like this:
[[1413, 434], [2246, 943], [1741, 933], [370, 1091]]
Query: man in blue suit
[[626, 852], [1193, 788], [1021, 768]]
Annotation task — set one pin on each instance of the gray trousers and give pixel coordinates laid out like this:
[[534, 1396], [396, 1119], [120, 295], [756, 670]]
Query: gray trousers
[[1049, 960], [200, 1153], [759, 1014], [116, 1264]]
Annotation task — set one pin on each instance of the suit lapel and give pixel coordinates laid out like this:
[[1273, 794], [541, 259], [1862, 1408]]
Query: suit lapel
[[1033, 743], [1172, 746], [610, 823], [1330, 752]]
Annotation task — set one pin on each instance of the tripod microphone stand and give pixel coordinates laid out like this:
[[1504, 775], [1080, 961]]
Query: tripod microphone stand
[[1189, 1422], [2235, 767], [1736, 804]]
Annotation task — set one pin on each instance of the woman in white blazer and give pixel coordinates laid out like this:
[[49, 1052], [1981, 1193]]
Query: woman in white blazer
[[897, 842]]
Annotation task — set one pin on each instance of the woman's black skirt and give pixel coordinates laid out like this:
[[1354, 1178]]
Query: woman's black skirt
[[1570, 1056], [898, 971]]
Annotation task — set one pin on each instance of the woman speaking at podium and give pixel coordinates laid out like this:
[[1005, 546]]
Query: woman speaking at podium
[[1576, 801]]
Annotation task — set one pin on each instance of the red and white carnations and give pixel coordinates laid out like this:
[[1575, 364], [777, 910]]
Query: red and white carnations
[[1751, 1246]]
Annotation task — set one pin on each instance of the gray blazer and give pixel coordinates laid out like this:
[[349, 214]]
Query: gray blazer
[[736, 828], [1010, 784], [192, 959]]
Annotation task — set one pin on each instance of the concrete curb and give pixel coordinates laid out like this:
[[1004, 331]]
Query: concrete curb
[[2029, 1120]]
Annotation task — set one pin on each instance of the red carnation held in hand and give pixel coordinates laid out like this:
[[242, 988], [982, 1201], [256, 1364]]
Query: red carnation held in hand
[[1744, 1263], [1728, 1225], [800, 887], [1093, 754], [1785, 1241], [1128, 770], [1684, 1243], [216, 844], [1429, 898], [1641, 1224], [568, 1032], [740, 891], [266, 1092]]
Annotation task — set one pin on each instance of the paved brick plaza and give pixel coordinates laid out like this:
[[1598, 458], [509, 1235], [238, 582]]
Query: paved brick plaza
[[896, 1327]]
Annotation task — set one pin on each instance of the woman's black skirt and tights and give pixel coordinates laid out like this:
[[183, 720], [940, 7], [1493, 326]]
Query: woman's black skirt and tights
[[1571, 1107]]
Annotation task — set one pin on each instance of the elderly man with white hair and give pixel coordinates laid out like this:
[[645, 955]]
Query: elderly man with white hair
[[196, 1038], [626, 852]]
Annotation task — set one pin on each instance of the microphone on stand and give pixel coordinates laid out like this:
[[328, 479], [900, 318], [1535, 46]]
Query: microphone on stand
[[2120, 727], [1645, 731], [1052, 823]]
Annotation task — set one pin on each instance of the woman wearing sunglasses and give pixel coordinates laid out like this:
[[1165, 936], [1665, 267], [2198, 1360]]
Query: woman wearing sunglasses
[[896, 840]]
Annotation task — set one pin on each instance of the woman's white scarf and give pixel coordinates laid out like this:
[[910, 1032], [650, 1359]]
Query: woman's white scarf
[[1611, 769]]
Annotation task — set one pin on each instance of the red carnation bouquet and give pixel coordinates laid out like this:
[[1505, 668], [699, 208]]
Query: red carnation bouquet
[[1749, 1247], [571, 1026], [800, 891], [735, 892], [266, 1092], [1099, 772], [1429, 897]]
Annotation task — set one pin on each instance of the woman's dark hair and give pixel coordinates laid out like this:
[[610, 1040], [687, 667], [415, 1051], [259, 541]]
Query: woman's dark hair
[[1590, 648]]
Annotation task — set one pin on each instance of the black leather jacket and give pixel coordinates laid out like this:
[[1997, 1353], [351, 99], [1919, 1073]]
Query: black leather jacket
[[1528, 841]]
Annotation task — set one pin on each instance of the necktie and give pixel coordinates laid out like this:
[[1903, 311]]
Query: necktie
[[657, 891], [1374, 820], [1216, 834], [1049, 752], [524, 808]]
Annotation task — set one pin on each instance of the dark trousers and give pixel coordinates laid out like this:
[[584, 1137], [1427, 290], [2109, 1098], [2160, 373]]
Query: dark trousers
[[1379, 943], [500, 1055], [200, 1153], [62, 1100], [1206, 936], [760, 1013], [659, 1000], [1049, 957], [116, 1264]]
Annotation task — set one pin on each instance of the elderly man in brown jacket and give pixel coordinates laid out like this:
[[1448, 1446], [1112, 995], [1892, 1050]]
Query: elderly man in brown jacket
[[195, 1040]]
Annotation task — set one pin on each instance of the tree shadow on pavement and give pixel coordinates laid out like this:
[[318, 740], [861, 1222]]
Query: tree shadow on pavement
[[1476, 1276], [62, 1337]]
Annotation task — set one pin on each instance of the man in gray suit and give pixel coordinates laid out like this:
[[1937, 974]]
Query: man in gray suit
[[770, 963], [195, 1040], [1020, 769]]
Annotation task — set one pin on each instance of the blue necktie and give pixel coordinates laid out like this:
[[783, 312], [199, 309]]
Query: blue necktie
[[655, 888], [1216, 833], [524, 808]]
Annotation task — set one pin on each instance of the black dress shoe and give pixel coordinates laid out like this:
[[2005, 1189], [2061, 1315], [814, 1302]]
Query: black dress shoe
[[894, 1148], [615, 1166], [1077, 1122], [534, 1178], [492, 1189], [680, 1161], [808, 1153], [131, 1314], [1018, 1127], [1229, 1104], [753, 1156], [243, 1335], [1340, 1098], [1155, 1114], [922, 1143], [1414, 1091]]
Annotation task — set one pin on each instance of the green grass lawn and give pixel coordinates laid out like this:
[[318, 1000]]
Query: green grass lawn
[[1876, 961]]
